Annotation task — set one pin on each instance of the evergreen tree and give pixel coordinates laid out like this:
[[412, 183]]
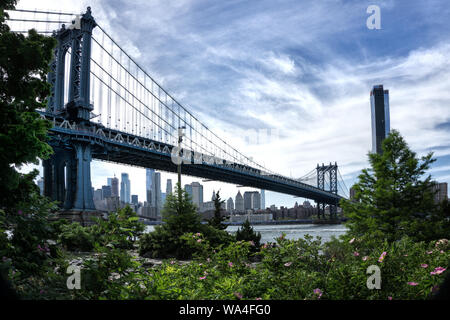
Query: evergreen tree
[[217, 220], [246, 233], [392, 199]]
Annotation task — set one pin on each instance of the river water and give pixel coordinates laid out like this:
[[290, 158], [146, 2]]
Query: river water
[[292, 231]]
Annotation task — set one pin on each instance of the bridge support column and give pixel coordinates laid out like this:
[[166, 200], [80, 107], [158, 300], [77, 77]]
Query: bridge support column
[[57, 175], [83, 188]]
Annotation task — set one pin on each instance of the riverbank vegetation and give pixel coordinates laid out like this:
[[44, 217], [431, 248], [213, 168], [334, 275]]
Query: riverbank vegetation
[[394, 225]]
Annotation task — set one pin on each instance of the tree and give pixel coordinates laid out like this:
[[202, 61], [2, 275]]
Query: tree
[[246, 233], [392, 199], [217, 220], [24, 64]]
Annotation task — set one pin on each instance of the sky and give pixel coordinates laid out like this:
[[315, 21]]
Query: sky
[[302, 70]]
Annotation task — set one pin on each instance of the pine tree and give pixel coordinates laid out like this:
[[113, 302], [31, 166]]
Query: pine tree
[[392, 197], [217, 220], [246, 233]]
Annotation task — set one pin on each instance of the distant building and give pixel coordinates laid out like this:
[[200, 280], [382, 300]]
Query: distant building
[[230, 205], [106, 192], [440, 190], [263, 199], [149, 177], [379, 104], [252, 218], [239, 202], [134, 199], [248, 200], [256, 200], [97, 195], [109, 181], [125, 192], [188, 189], [197, 194], [40, 184], [114, 187], [168, 187]]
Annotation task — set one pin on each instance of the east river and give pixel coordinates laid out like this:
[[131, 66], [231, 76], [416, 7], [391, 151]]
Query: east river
[[292, 231]]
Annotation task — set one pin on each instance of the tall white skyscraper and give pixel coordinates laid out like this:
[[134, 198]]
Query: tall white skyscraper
[[114, 187], [149, 176], [230, 205], [239, 202]]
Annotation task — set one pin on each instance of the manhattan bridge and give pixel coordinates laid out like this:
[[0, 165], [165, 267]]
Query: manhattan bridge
[[104, 106]]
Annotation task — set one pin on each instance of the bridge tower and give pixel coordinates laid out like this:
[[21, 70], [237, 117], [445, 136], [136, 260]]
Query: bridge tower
[[322, 172], [67, 174]]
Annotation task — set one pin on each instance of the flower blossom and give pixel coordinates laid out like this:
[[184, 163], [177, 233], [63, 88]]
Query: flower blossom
[[381, 258], [356, 254], [413, 283], [230, 264], [424, 265], [287, 264], [438, 270], [318, 292], [351, 241]]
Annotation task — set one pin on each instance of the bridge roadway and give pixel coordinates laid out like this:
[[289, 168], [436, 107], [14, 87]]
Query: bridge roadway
[[124, 148]]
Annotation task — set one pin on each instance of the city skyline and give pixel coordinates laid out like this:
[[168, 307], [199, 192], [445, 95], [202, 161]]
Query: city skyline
[[269, 85]]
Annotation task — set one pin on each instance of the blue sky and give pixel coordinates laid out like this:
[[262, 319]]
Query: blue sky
[[301, 68]]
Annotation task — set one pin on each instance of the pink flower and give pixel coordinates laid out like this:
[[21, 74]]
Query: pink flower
[[356, 254], [351, 241], [230, 264], [424, 265], [438, 270], [199, 240], [413, 283], [42, 291], [405, 255], [381, 258], [258, 298], [389, 298], [208, 260], [172, 262], [202, 278], [365, 258], [238, 295], [287, 264], [430, 252], [19, 212], [318, 292], [442, 251], [251, 243], [198, 234]]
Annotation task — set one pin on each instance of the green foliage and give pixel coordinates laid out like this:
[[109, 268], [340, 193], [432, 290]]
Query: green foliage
[[246, 233], [75, 237], [392, 200], [217, 220], [121, 229], [180, 217]]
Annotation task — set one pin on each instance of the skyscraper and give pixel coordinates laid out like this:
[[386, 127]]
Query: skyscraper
[[149, 175], [125, 192], [256, 200], [106, 191], [134, 199], [169, 187], [188, 189], [197, 194], [114, 187], [248, 200], [263, 199], [230, 205], [109, 181], [379, 104], [239, 202]]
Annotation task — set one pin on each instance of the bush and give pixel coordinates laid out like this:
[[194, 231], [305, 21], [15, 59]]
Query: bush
[[246, 233], [75, 237]]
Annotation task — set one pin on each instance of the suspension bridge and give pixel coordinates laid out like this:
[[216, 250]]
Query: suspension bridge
[[105, 106]]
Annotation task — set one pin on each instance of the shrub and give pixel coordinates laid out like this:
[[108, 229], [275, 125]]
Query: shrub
[[75, 237]]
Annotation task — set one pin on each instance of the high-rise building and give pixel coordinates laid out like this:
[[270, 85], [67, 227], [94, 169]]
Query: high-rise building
[[106, 191], [440, 190], [114, 187], [40, 184], [97, 195], [197, 194], [248, 203], [230, 205], [188, 189], [263, 199], [109, 181], [125, 192], [379, 104], [256, 200], [149, 175], [239, 202], [156, 193], [134, 199], [169, 187]]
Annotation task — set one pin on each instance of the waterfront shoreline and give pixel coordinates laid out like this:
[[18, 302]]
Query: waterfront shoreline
[[274, 222]]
